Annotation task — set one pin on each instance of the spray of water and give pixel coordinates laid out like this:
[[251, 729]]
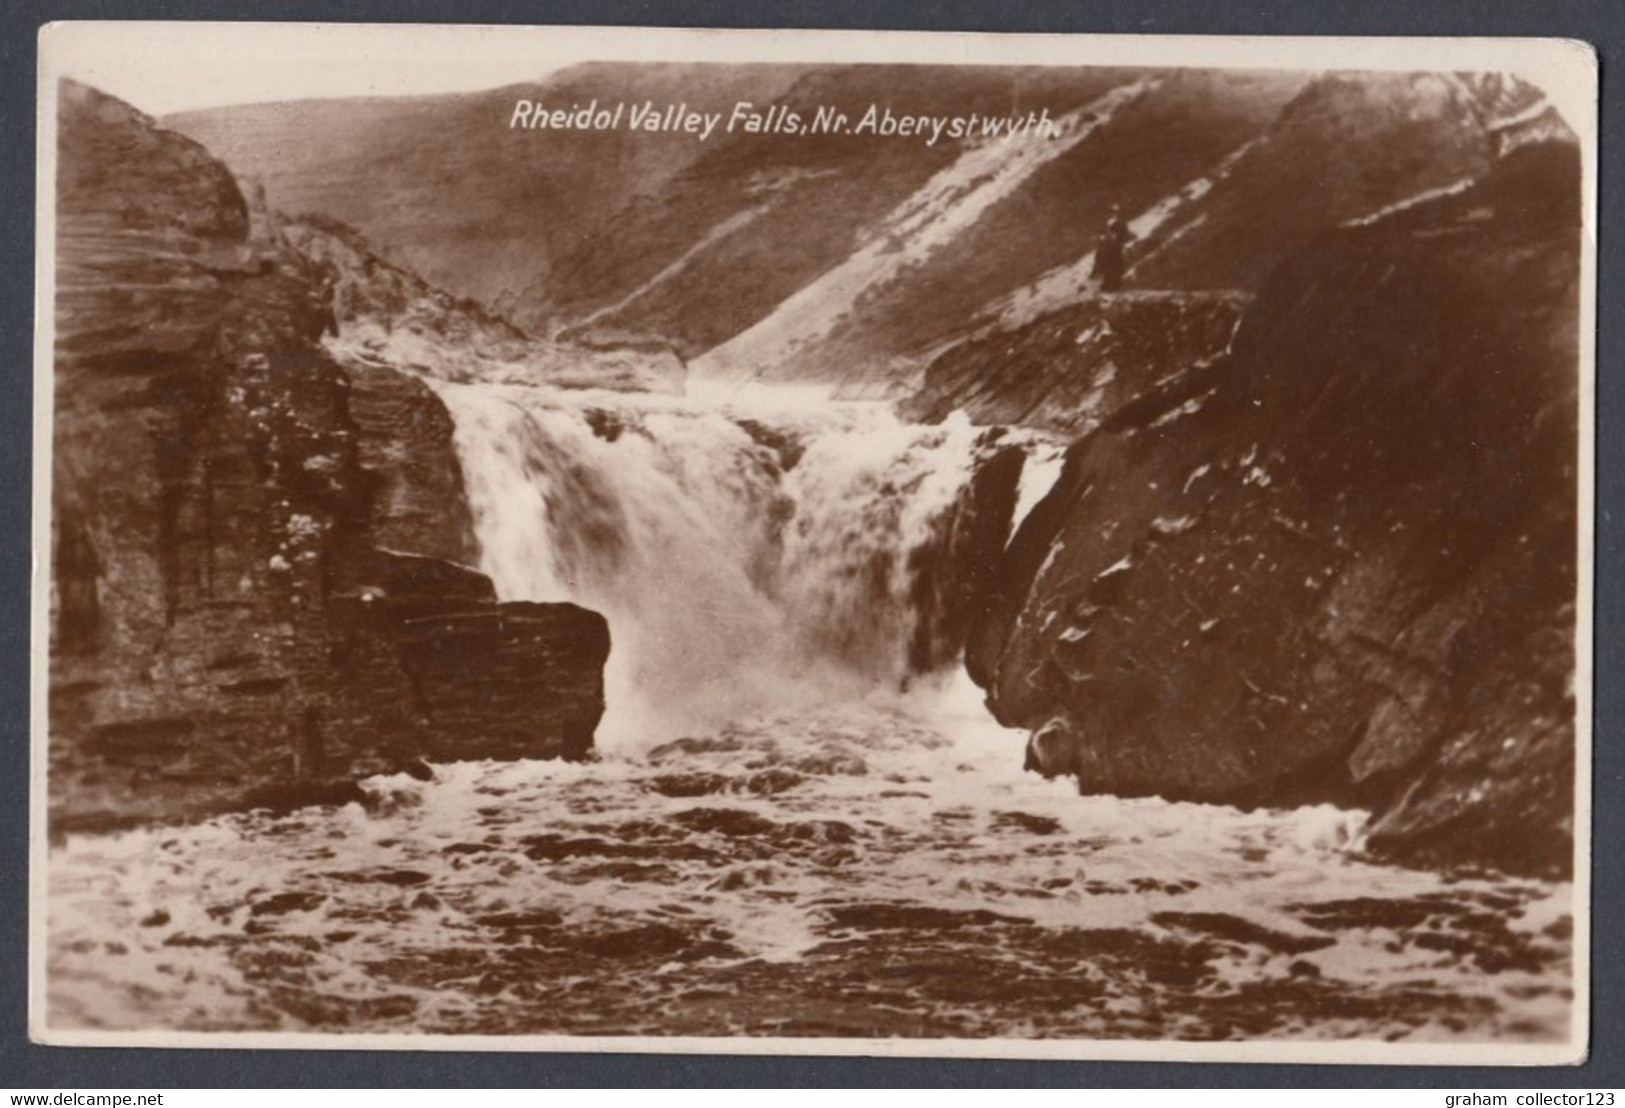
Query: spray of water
[[750, 550]]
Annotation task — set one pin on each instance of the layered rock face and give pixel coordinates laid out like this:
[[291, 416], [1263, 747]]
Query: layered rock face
[[254, 592], [1337, 563]]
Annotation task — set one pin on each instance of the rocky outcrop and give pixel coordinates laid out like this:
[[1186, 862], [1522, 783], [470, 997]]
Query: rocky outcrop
[[1337, 563], [250, 594], [386, 316], [447, 680], [1064, 372]]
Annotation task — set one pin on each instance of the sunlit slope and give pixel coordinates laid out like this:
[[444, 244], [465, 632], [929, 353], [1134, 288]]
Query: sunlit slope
[[757, 220], [998, 217]]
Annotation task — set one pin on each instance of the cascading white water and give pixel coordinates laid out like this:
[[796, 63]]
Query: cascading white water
[[750, 550]]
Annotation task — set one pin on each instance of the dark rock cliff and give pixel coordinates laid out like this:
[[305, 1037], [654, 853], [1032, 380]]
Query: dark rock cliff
[[1337, 563], [252, 599]]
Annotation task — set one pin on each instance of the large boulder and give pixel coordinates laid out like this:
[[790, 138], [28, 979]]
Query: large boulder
[[1339, 563], [448, 681]]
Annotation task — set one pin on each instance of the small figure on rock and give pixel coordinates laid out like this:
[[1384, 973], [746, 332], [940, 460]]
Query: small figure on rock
[[326, 297], [1110, 249]]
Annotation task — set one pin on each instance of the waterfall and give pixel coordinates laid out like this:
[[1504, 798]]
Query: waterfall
[[752, 550]]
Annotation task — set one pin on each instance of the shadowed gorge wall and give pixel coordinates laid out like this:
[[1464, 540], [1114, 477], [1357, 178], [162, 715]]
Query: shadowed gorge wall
[[226, 625]]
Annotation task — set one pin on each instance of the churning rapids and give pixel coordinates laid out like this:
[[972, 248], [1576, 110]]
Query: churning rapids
[[801, 823]]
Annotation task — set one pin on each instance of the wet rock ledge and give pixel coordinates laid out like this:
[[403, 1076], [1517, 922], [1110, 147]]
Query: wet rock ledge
[[257, 594]]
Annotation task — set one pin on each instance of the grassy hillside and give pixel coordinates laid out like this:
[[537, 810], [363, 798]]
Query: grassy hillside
[[442, 185]]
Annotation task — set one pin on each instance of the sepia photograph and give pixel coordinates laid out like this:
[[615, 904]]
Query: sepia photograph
[[858, 543]]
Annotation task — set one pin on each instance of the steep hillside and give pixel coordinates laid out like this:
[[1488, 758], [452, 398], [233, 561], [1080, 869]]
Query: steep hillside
[[441, 185], [1337, 563], [756, 220], [696, 241], [662, 233], [857, 258], [253, 554], [1348, 147], [998, 217]]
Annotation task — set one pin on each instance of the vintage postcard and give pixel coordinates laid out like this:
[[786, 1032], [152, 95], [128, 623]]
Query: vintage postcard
[[867, 543]]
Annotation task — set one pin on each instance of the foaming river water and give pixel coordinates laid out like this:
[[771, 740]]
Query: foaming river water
[[793, 830], [868, 870]]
